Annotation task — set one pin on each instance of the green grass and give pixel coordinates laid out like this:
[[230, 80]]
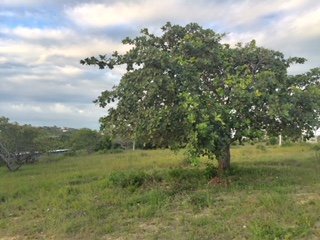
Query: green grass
[[271, 193]]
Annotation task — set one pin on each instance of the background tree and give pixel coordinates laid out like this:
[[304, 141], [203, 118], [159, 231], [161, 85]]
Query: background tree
[[18, 138], [26, 138], [85, 139], [186, 88]]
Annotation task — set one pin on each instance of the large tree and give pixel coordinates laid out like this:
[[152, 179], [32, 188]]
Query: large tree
[[187, 89]]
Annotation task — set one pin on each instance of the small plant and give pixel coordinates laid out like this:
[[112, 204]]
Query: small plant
[[211, 171], [269, 231], [273, 141], [191, 160], [200, 200]]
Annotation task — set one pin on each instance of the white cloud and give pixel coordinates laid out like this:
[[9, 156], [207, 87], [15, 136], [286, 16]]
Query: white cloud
[[36, 53], [24, 108], [7, 14], [103, 15], [17, 51], [43, 114], [70, 70], [229, 13], [37, 33], [249, 12], [296, 33], [43, 83], [19, 2], [61, 109], [302, 25], [3, 60]]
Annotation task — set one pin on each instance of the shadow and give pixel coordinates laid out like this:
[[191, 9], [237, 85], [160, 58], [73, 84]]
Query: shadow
[[272, 174]]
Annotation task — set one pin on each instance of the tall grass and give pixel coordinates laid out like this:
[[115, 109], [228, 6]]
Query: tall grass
[[271, 193]]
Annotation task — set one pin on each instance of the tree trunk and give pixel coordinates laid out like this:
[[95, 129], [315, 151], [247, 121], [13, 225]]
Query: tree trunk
[[134, 145], [224, 158], [280, 140]]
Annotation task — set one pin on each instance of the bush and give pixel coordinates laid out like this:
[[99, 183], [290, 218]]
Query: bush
[[200, 200], [273, 141], [211, 171], [193, 161]]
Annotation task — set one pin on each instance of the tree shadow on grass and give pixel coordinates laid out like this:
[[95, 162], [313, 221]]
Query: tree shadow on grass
[[258, 175], [287, 173]]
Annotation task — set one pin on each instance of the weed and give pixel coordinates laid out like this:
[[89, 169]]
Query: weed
[[211, 170], [269, 231], [133, 178], [200, 200], [192, 161]]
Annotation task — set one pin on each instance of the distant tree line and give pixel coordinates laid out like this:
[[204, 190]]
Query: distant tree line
[[26, 138]]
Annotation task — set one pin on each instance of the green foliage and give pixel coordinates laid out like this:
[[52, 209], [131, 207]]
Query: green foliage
[[273, 141], [26, 138], [192, 160], [86, 139], [186, 88], [18, 138]]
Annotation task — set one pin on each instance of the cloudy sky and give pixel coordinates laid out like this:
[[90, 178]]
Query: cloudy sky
[[42, 41]]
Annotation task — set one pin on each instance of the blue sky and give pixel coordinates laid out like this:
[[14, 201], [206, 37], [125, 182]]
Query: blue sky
[[42, 42]]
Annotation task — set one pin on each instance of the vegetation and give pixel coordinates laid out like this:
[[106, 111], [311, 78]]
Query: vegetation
[[26, 138], [186, 88], [182, 90], [270, 193]]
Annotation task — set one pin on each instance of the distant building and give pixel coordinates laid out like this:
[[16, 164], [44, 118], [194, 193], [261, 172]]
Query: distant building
[[58, 152]]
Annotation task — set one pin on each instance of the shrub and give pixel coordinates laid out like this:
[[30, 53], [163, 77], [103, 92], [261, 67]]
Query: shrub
[[193, 161], [273, 140], [211, 171]]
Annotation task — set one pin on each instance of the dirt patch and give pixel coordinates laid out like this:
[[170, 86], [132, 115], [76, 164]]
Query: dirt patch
[[11, 238], [217, 181], [306, 198], [149, 226]]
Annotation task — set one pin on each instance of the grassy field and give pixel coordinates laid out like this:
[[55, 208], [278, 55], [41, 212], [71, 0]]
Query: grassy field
[[271, 193]]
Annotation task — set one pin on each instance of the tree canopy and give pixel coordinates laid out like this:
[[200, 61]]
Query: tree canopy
[[185, 88]]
